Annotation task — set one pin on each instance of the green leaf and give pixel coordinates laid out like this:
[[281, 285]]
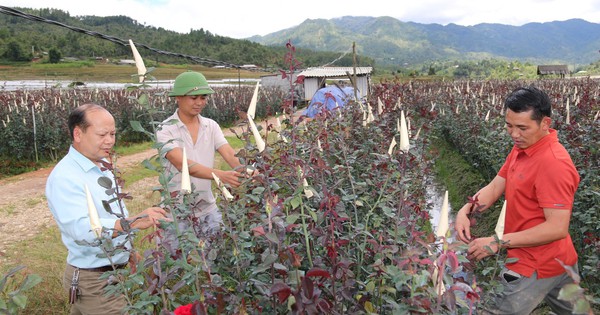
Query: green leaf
[[295, 202], [582, 306], [143, 99], [30, 281], [512, 260], [147, 164], [272, 237], [20, 300], [136, 126], [105, 182], [292, 218], [569, 292]]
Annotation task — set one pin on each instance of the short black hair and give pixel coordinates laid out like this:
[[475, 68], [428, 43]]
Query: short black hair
[[528, 98], [77, 118]]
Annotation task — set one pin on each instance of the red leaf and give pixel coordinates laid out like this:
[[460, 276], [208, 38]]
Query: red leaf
[[343, 242], [281, 290], [290, 227], [453, 260], [259, 231], [315, 272]]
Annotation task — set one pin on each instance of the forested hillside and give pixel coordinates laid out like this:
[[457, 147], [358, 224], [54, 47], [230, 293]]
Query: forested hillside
[[22, 39], [393, 42]]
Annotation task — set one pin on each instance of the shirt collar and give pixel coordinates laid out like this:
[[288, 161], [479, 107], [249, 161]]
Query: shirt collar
[[545, 140], [180, 123], [83, 162]]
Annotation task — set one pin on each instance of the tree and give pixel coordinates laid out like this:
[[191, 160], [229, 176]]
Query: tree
[[431, 70], [14, 52], [54, 55]]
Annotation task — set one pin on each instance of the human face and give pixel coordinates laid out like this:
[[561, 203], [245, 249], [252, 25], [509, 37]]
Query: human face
[[523, 130], [97, 141], [191, 105]]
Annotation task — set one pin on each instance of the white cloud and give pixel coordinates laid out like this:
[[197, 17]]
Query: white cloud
[[242, 18]]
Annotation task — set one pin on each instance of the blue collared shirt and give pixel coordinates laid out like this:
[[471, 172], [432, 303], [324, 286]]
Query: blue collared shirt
[[65, 191]]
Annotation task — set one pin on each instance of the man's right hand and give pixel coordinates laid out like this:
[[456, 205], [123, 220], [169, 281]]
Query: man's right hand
[[149, 217], [230, 177], [462, 224]]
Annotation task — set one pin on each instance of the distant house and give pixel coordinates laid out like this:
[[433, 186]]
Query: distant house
[[249, 67], [126, 62], [316, 78], [561, 70]]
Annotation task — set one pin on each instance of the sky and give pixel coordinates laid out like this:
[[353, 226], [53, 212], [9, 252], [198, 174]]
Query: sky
[[246, 18]]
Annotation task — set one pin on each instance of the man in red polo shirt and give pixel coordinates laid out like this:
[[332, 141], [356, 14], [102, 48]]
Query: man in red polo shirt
[[538, 180]]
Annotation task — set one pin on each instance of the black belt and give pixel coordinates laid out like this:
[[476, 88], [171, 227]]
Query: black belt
[[103, 268]]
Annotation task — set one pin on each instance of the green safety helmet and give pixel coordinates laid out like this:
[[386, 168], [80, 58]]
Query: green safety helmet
[[191, 83]]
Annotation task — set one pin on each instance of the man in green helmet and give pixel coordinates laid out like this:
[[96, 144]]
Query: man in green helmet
[[201, 137]]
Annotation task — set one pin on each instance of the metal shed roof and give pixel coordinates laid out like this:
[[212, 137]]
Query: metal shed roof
[[334, 71], [553, 69]]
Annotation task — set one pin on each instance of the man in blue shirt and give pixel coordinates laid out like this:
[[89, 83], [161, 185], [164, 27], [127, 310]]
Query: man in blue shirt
[[92, 130]]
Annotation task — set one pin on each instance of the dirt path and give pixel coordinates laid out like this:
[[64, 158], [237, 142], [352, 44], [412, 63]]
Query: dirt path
[[23, 208]]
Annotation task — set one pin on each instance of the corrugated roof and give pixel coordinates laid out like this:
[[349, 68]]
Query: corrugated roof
[[553, 69], [334, 71]]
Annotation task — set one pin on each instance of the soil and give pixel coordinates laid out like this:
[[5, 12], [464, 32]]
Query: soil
[[23, 208]]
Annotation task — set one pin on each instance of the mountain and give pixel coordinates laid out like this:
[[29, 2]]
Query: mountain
[[393, 42]]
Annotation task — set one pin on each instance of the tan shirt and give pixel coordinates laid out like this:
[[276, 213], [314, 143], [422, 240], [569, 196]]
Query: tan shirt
[[210, 139]]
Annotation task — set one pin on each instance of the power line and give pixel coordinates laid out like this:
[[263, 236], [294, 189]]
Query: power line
[[119, 41], [116, 40]]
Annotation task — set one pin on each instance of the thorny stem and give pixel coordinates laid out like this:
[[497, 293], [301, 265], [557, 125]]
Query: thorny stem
[[236, 251], [306, 236], [366, 228], [350, 179]]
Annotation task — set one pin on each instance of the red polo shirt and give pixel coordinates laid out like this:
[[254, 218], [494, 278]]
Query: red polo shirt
[[540, 176]]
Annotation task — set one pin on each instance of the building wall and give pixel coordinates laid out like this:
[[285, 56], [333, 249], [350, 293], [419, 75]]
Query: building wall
[[311, 86]]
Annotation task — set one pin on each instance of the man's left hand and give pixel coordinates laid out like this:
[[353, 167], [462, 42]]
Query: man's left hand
[[481, 248]]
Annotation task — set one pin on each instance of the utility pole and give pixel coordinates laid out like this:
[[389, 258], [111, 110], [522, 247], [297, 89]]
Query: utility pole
[[354, 69]]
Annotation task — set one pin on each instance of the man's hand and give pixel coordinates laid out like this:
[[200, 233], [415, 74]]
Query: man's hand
[[480, 248], [462, 224], [149, 217], [230, 177]]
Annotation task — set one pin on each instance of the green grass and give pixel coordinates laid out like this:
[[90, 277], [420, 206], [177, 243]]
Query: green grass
[[100, 72], [8, 209], [462, 180], [133, 148]]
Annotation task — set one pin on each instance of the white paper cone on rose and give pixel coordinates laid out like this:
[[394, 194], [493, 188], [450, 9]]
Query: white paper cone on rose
[[404, 143], [568, 118], [222, 187], [252, 108], [139, 62], [500, 224], [392, 145], [442, 227], [95, 224], [379, 106], [370, 116], [307, 190], [417, 135], [260, 143], [186, 184]]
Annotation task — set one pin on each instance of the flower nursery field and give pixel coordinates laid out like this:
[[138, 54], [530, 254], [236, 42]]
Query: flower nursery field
[[336, 221]]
